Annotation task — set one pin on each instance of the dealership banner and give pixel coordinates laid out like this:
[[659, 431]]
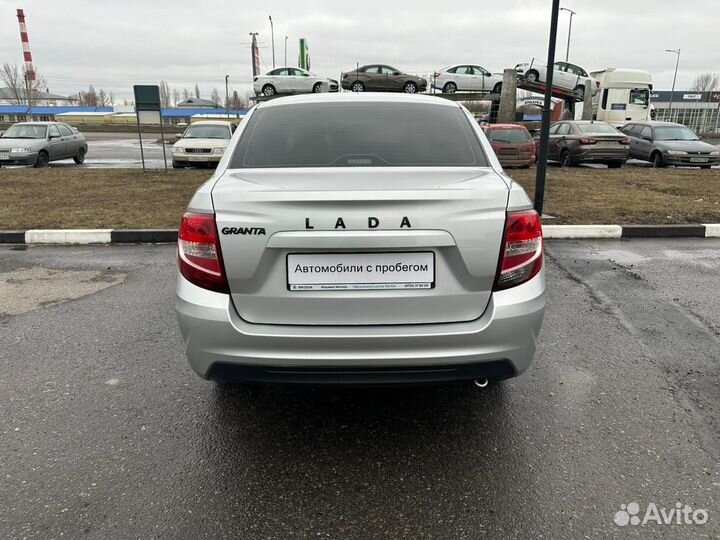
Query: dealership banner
[[304, 57]]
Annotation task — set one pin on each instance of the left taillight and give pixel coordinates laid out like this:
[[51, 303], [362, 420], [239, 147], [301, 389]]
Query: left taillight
[[199, 256], [521, 257]]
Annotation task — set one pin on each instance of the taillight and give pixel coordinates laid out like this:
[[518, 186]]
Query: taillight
[[587, 141], [597, 84], [438, 74], [199, 254], [624, 141], [521, 257]]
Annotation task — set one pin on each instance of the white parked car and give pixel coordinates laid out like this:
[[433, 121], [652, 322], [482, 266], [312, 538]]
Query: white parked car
[[202, 144], [566, 76], [467, 78], [292, 80]]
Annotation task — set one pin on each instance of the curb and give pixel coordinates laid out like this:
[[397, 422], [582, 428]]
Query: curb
[[166, 236]]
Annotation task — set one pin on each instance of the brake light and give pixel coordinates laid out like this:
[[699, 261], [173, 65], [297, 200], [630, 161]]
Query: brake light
[[597, 84], [624, 141], [522, 255], [436, 75], [199, 256], [587, 141]]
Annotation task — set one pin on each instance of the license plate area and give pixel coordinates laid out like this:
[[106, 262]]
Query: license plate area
[[198, 158], [360, 271], [699, 160], [4, 156]]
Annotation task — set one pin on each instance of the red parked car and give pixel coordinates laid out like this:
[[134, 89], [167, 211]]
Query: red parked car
[[512, 143]]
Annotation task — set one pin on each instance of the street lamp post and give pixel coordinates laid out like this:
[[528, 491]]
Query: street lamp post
[[227, 98], [672, 92], [272, 34], [567, 52], [286, 51]]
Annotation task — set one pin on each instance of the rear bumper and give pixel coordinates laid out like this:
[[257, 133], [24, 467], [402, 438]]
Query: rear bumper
[[516, 162], [222, 346], [593, 155]]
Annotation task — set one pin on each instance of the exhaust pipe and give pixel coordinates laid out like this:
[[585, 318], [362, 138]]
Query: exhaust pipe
[[481, 383]]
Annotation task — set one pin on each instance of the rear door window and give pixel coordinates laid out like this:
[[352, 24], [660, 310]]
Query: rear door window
[[65, 131]]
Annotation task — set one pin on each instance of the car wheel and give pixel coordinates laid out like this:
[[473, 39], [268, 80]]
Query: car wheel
[[614, 164], [357, 86], [565, 159], [449, 88], [497, 88], [580, 90], [532, 76], [42, 160], [268, 90], [657, 160], [176, 165], [80, 156], [317, 88], [410, 88]]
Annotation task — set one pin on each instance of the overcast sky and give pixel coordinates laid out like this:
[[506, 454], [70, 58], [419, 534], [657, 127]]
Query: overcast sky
[[113, 45]]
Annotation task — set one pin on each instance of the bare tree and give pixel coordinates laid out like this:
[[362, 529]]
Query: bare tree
[[102, 98], [164, 94], [197, 90], [185, 94], [13, 78], [175, 97], [706, 82], [89, 98], [215, 96], [111, 99]]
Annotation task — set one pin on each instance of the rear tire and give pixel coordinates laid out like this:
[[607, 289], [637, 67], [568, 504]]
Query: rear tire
[[43, 160], [580, 91], [317, 88], [497, 88], [268, 90], [80, 156], [657, 160], [532, 76], [449, 88], [566, 159], [410, 88], [357, 86]]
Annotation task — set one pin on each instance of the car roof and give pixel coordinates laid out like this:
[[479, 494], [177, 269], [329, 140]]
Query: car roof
[[655, 123], [209, 123], [38, 123], [358, 97], [505, 126]]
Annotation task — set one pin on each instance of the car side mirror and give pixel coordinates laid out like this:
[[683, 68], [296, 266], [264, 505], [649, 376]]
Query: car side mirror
[[396, 73], [306, 74], [648, 138], [51, 137]]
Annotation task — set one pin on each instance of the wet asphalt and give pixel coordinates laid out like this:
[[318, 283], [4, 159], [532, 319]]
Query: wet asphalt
[[106, 433]]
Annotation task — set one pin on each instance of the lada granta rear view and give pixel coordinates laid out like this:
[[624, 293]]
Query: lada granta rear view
[[360, 238]]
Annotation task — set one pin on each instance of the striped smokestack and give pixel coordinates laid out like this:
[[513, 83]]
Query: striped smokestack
[[29, 72]]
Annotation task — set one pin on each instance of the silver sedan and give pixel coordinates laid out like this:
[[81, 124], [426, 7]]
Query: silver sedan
[[360, 238], [39, 143]]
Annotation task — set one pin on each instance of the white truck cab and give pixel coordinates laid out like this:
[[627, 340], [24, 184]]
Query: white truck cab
[[624, 95]]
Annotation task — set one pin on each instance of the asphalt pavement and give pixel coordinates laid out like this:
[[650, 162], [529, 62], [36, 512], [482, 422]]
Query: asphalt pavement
[[106, 433]]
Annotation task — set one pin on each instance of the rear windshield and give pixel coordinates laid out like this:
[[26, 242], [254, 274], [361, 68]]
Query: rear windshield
[[357, 135], [508, 135], [597, 128]]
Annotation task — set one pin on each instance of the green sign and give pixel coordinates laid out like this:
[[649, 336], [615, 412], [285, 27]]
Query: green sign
[[147, 97], [304, 57]]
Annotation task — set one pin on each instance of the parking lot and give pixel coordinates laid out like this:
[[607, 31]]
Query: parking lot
[[107, 433]]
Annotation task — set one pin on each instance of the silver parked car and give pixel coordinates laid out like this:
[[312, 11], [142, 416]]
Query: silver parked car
[[466, 78], [360, 238], [666, 143], [39, 143]]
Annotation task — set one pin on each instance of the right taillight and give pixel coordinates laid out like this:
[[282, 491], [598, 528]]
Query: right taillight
[[199, 255], [624, 141], [521, 256]]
